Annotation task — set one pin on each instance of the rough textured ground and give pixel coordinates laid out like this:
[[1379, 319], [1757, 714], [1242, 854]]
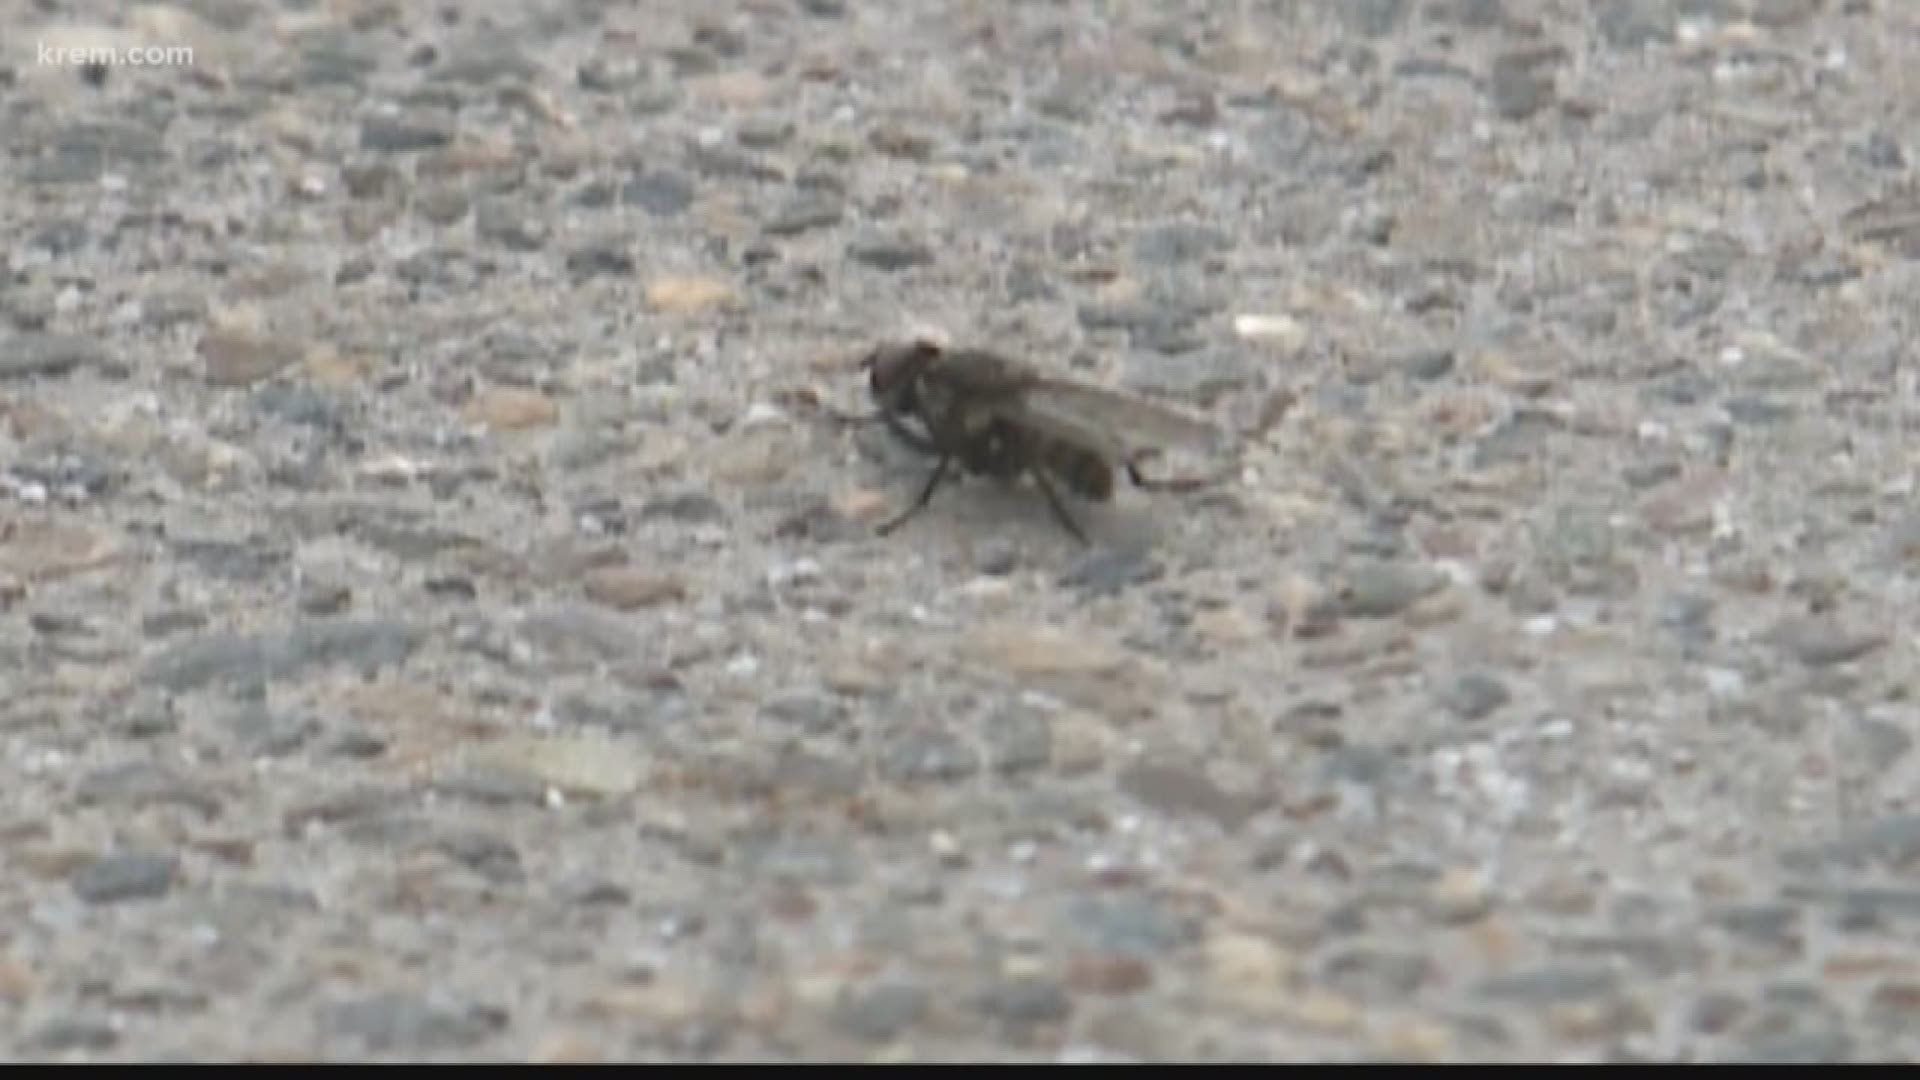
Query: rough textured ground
[[439, 621]]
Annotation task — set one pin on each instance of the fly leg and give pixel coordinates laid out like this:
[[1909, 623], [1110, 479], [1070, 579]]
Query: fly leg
[[906, 434], [919, 504], [1059, 511]]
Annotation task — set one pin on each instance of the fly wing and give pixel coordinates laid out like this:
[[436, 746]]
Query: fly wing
[[1126, 427]]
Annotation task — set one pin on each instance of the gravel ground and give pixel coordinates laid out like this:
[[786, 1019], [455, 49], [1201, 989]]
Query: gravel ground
[[440, 621]]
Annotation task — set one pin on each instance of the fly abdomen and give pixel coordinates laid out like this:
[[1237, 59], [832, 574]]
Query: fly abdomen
[[1088, 474]]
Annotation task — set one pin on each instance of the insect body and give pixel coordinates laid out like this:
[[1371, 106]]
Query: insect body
[[999, 418]]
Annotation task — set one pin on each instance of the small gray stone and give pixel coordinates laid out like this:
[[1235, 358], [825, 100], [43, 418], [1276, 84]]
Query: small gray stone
[[1773, 923], [300, 405], [1180, 790], [1715, 1012], [322, 598], [125, 876], [71, 1033], [1109, 571], [1384, 590], [1822, 641], [686, 507], [1756, 409], [490, 856], [1633, 24], [1372, 974], [1780, 14], [400, 1022], [996, 557], [25, 356], [1018, 740], [1522, 83], [370, 180], [1882, 743], [1645, 474], [1520, 437], [662, 194], [1554, 985], [367, 644], [335, 58], [401, 134], [172, 621], [494, 786], [814, 714], [217, 659], [1809, 1048], [809, 211], [1026, 1001], [1128, 924], [822, 861], [881, 1011], [1428, 364], [1475, 695], [600, 257], [508, 223], [764, 132], [920, 755], [1372, 18], [887, 254], [141, 784], [1178, 243], [1469, 14], [896, 141], [268, 733], [247, 562]]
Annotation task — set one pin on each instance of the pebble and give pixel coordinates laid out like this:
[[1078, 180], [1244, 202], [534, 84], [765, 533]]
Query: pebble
[[1018, 740], [1022, 650], [901, 142], [403, 134], [125, 876], [1181, 791], [1377, 973], [1108, 973], [1026, 1001], [237, 358], [626, 588], [578, 764], [140, 784], [685, 295], [1895, 1006], [1384, 590], [662, 194], [919, 755], [609, 256], [70, 1033], [1460, 895], [1474, 695], [399, 1022], [881, 1011], [1521, 83], [1108, 571], [1821, 642], [222, 658], [889, 254], [1282, 332], [806, 213], [26, 356], [1556, 985], [509, 408]]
